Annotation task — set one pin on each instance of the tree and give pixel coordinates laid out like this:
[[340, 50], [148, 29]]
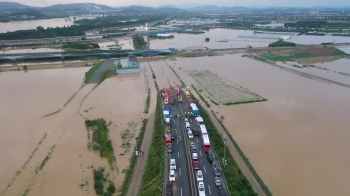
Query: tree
[[25, 67]]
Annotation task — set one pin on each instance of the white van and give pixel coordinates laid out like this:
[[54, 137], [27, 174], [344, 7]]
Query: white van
[[172, 175], [187, 126], [172, 164]]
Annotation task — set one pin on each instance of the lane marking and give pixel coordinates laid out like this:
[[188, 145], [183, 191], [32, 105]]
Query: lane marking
[[197, 140], [200, 152], [181, 191], [180, 170], [175, 130], [178, 154], [205, 171], [209, 189]]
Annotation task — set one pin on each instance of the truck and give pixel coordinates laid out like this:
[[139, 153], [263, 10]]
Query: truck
[[188, 94], [168, 139], [179, 98]]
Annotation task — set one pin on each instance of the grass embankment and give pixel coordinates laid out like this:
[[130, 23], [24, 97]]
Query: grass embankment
[[299, 55], [90, 74], [153, 174], [281, 43], [133, 160], [338, 52], [80, 46], [196, 54], [100, 180], [237, 182], [100, 139], [148, 102], [153, 76], [191, 32], [201, 96], [244, 102], [251, 168], [139, 42]]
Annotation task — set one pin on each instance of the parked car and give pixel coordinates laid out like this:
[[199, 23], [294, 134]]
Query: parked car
[[172, 175], [194, 149], [170, 149], [201, 189], [192, 143], [194, 156], [199, 176], [169, 189], [217, 181], [217, 172], [185, 120], [172, 136], [195, 165], [214, 164], [222, 191]]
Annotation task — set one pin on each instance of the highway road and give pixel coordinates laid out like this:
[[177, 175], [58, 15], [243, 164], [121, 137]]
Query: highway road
[[185, 181]]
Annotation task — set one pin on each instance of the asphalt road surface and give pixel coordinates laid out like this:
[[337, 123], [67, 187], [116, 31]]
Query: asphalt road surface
[[183, 181]]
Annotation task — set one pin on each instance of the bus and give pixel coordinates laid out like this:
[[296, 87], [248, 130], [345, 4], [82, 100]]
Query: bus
[[206, 143], [203, 130]]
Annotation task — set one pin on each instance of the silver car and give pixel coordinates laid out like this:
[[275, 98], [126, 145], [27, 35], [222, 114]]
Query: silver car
[[217, 181]]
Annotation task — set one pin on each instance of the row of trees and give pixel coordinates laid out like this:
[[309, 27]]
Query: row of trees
[[317, 24], [75, 30], [81, 46]]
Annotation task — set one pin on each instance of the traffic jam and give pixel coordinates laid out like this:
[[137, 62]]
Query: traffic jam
[[182, 118]]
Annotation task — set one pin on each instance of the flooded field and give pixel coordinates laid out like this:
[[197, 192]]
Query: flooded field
[[32, 24], [293, 140], [220, 90], [53, 156]]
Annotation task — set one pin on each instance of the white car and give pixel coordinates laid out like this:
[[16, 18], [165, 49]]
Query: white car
[[194, 156], [172, 175], [185, 120], [201, 189], [200, 176], [172, 164], [190, 134]]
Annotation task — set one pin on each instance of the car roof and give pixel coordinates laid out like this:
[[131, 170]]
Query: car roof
[[201, 183]]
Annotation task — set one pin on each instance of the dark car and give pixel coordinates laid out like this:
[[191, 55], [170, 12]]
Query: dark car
[[222, 191], [172, 136], [170, 149], [169, 189], [210, 156], [217, 172], [194, 149]]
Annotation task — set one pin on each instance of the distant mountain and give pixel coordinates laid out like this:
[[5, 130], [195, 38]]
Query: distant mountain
[[12, 5], [144, 9], [188, 5], [79, 7], [214, 8]]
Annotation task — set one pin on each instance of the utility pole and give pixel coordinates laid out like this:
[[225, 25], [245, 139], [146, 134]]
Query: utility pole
[[288, 97], [224, 162], [133, 126]]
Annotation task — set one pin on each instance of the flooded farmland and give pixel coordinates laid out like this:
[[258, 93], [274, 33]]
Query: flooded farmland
[[37, 112], [297, 140]]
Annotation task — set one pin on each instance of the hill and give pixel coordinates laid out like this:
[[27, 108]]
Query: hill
[[12, 5], [79, 7]]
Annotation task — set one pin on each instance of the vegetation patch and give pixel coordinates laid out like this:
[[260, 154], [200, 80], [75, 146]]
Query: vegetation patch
[[100, 139], [274, 57], [281, 43], [153, 174], [148, 102], [251, 168], [139, 42], [53, 113], [338, 52], [90, 74], [129, 172], [101, 180], [126, 137]]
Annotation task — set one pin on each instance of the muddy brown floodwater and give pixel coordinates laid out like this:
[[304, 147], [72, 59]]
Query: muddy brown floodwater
[[26, 138], [299, 143]]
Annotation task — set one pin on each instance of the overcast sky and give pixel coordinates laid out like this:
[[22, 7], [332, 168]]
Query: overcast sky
[[247, 3]]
